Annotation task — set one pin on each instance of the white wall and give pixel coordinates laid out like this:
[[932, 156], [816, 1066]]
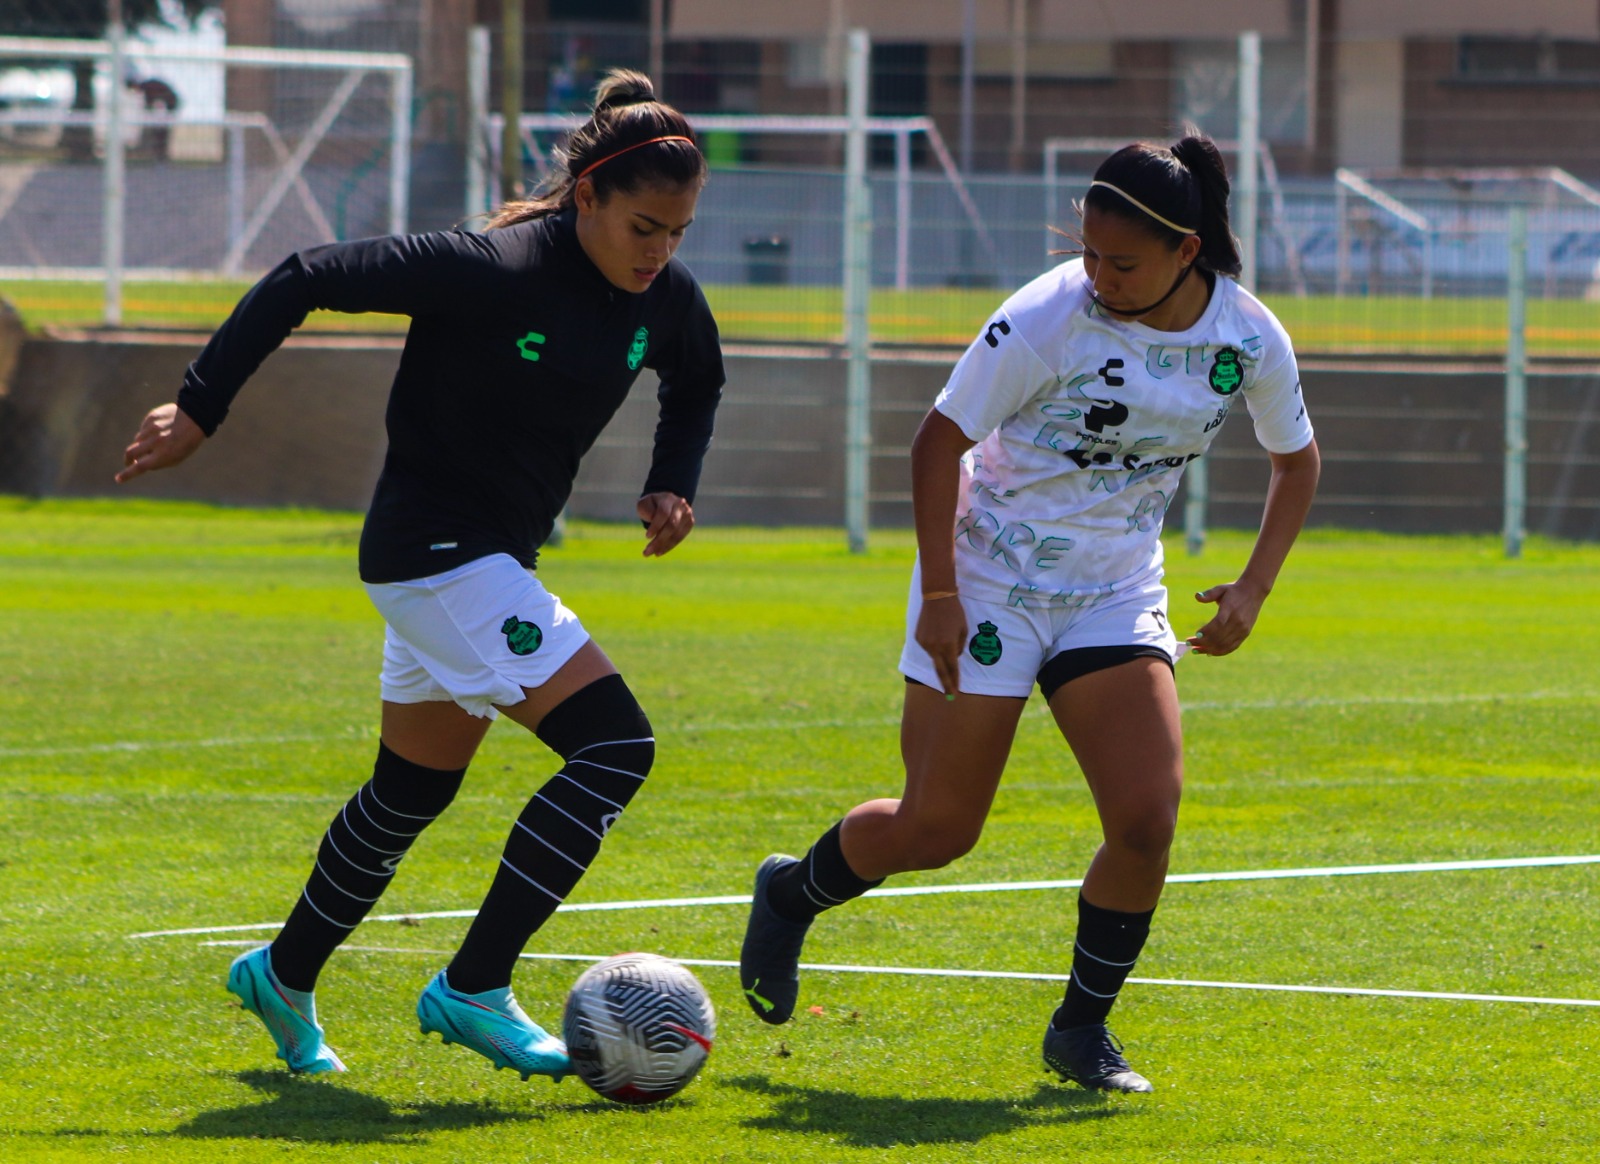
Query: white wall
[[1370, 107]]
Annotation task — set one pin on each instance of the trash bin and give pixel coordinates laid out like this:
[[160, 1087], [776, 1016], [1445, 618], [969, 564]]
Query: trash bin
[[766, 260]]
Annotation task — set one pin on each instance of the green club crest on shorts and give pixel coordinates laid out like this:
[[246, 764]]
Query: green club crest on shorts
[[522, 637], [985, 645], [1226, 372], [641, 340]]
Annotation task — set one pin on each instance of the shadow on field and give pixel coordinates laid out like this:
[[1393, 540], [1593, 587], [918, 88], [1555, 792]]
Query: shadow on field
[[880, 1121], [323, 1112]]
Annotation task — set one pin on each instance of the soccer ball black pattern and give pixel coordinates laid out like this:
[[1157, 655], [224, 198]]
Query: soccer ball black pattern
[[638, 1027]]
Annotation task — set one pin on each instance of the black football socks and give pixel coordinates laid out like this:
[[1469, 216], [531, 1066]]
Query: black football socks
[[1107, 946], [605, 740], [356, 861], [820, 880]]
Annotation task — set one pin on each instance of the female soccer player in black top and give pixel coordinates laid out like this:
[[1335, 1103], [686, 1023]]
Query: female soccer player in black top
[[524, 341]]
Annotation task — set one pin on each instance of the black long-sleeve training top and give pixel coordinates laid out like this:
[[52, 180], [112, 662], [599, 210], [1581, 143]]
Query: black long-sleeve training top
[[519, 353]]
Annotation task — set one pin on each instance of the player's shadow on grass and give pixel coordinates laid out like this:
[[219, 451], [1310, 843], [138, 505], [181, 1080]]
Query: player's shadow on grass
[[325, 1112], [878, 1121]]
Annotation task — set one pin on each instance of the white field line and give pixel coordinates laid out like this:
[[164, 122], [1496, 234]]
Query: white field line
[[978, 887], [168, 745], [768, 725], [1032, 976]]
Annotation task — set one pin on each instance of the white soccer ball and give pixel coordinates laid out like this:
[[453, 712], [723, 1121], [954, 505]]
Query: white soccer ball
[[638, 1027]]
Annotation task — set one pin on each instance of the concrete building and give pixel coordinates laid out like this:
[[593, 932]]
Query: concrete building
[[1361, 83]]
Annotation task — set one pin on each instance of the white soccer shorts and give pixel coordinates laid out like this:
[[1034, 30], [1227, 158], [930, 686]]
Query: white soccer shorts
[[476, 635], [1007, 645]]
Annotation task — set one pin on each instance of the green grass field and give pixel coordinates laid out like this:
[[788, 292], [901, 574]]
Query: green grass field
[[188, 693], [1319, 324]]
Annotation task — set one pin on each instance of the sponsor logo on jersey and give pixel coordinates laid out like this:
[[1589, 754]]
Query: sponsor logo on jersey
[[641, 341], [1002, 326], [526, 344], [985, 645], [522, 637], [1106, 414], [1227, 373]]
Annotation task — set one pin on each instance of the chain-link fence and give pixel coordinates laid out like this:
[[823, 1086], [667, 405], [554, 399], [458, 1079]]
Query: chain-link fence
[[165, 155], [1393, 141], [1390, 199]]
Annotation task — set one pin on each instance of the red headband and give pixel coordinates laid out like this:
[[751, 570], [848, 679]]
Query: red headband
[[593, 166]]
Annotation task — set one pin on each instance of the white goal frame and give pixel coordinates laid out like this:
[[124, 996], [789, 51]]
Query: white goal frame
[[290, 174]]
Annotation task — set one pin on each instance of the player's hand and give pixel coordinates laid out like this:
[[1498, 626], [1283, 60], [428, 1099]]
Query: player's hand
[[1238, 606], [166, 437], [668, 519], [942, 632]]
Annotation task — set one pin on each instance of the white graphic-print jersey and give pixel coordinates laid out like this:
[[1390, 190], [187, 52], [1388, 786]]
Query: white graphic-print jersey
[[1084, 424]]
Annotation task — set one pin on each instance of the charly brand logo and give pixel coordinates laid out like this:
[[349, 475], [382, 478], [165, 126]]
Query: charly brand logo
[[641, 341], [1226, 372], [1002, 326], [526, 344], [522, 637], [985, 645]]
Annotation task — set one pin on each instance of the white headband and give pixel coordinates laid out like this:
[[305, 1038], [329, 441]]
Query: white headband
[[1166, 222]]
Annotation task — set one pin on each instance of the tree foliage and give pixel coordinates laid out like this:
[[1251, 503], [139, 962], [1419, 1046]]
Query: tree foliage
[[84, 18]]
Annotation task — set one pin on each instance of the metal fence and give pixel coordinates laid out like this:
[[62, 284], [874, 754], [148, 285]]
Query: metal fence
[[214, 191], [231, 162], [1380, 233]]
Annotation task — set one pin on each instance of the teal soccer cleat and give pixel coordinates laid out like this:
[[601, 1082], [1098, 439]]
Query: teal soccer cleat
[[493, 1025], [289, 1016]]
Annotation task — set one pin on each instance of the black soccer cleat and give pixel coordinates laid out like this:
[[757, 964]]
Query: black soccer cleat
[[769, 960], [1091, 1056]]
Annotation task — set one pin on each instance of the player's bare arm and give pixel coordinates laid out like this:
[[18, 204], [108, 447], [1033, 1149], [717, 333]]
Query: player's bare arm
[[1289, 495], [935, 481]]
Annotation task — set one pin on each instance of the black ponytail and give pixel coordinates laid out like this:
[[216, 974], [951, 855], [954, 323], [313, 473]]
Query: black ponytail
[[617, 149], [1172, 193], [1219, 249]]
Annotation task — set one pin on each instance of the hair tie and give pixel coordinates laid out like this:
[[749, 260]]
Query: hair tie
[[593, 166], [1166, 222]]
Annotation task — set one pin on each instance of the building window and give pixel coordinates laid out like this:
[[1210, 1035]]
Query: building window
[[601, 11], [1481, 58], [898, 88], [815, 64]]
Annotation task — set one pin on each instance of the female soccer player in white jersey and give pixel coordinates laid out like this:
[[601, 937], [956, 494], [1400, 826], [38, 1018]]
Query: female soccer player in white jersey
[[1040, 479], [524, 341]]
